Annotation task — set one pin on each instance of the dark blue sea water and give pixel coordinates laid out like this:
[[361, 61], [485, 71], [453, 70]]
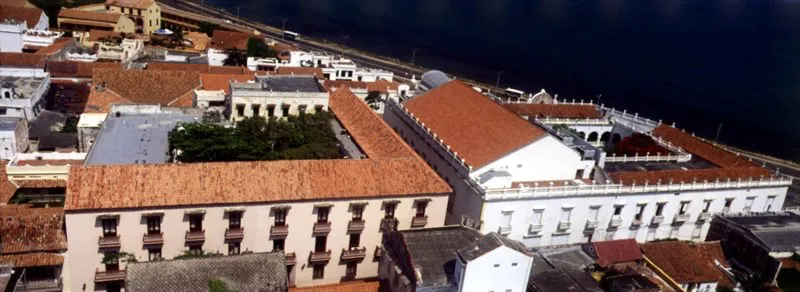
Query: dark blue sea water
[[698, 63]]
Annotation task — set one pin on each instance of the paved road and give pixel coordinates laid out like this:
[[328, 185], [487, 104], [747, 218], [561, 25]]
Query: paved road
[[400, 70]]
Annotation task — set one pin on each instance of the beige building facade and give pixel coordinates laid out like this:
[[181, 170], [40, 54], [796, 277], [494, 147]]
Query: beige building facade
[[146, 14]]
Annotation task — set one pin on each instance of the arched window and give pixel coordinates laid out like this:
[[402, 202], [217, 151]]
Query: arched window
[[605, 136], [592, 137], [582, 135], [615, 138]]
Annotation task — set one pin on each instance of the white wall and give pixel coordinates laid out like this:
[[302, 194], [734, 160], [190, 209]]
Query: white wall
[[552, 206], [11, 37], [216, 57], [482, 275], [545, 159]]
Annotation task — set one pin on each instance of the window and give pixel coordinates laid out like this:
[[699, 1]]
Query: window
[[322, 214], [280, 217], [593, 213], [270, 110], [748, 204], [358, 212], [684, 208], [154, 225], [233, 248], [154, 254], [674, 232], [256, 109], [285, 110], [240, 110], [421, 206], [536, 219], [351, 270], [109, 227], [321, 244], [7, 94], [707, 206], [728, 203], [195, 249], [319, 272], [660, 209], [506, 220], [618, 210], [389, 209], [3, 111], [355, 240], [566, 213], [697, 231], [640, 213], [513, 264], [113, 263], [278, 244], [108, 7], [770, 201], [496, 265], [196, 222], [318, 108], [234, 220], [301, 109]]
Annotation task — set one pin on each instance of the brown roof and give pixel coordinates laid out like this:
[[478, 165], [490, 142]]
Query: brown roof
[[76, 69], [7, 189], [382, 85], [215, 82], [689, 176], [475, 127], [688, 262], [228, 40], [200, 68], [366, 286], [616, 251], [700, 148], [56, 47], [53, 162], [41, 183], [96, 35], [88, 23], [36, 259], [30, 15], [168, 88], [228, 70], [16, 3], [369, 131], [27, 230], [564, 111], [22, 60], [301, 71], [140, 4], [158, 185], [77, 14]]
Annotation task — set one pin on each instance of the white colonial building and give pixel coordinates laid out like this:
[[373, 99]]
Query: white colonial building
[[277, 96], [24, 28], [540, 182]]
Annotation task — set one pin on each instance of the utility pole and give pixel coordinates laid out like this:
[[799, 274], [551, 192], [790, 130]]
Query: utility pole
[[497, 83], [414, 56], [237, 12], [283, 27], [599, 97], [719, 129]]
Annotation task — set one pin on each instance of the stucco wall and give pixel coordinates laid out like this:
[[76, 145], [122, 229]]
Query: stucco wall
[[482, 275], [545, 159], [84, 229]]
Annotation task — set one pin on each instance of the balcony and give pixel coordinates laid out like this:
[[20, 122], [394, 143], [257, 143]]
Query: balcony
[[279, 231], [319, 256], [616, 221], [389, 224], [322, 228], [355, 226], [109, 241], [354, 253], [234, 233], [705, 216], [49, 285], [535, 228], [504, 230], [592, 224], [657, 219], [636, 222], [153, 239], [195, 236], [564, 225], [109, 276], [419, 221], [680, 218], [291, 259]]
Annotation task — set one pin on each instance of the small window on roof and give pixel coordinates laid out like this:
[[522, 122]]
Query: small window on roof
[[496, 265]]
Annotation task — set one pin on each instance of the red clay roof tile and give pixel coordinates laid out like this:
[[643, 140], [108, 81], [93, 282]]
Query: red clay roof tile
[[36, 259], [28, 229], [168, 88], [22, 60], [301, 71], [616, 251], [216, 82], [564, 111], [76, 69], [100, 17], [31, 16], [707, 151], [688, 262], [367, 286]]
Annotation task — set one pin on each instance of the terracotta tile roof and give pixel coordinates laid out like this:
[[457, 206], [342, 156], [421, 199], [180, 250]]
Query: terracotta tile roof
[[22, 60], [228, 40], [31, 16], [700, 148], [140, 4], [688, 262], [475, 127], [301, 71], [56, 47], [7, 189], [138, 186], [36, 259], [216, 82], [77, 14], [53, 162], [41, 183], [77, 69], [16, 3], [97, 34], [284, 47], [168, 88], [88, 23], [228, 70], [616, 251], [689, 176], [26, 230], [358, 286], [383, 86], [370, 132], [200, 68], [564, 111], [544, 183]]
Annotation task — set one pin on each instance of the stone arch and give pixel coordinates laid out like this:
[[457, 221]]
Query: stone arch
[[615, 138], [582, 135], [592, 137], [605, 137]]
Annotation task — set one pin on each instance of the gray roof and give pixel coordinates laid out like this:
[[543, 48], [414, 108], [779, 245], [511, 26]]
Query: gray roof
[[433, 252], [777, 231], [434, 78], [41, 129], [137, 138], [558, 280], [291, 84], [245, 272], [562, 269], [9, 123], [565, 257], [489, 243], [24, 87]]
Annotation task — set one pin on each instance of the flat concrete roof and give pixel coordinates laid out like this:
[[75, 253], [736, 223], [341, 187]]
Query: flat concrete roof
[[291, 84], [9, 123], [136, 138], [24, 87]]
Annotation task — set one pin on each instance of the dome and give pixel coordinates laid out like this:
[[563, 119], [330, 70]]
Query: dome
[[433, 79]]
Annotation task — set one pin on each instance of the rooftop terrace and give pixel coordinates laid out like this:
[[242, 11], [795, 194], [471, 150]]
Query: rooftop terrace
[[22, 87]]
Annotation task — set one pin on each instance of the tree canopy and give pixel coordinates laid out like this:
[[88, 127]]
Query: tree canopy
[[307, 136], [257, 48], [207, 27]]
